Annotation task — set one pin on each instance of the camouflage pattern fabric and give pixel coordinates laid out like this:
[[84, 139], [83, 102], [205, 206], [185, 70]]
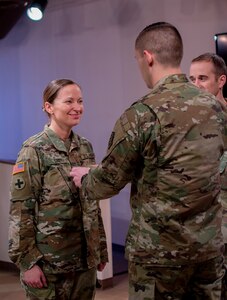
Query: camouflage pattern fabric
[[49, 224], [223, 199], [78, 285], [223, 194], [148, 282], [168, 145]]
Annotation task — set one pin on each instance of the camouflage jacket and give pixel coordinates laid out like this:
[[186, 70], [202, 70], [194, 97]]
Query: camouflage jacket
[[49, 224], [223, 194], [168, 145]]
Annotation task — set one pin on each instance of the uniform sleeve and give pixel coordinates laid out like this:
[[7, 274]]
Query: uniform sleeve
[[102, 234], [24, 192], [223, 125], [133, 133], [95, 231], [103, 243], [223, 194]]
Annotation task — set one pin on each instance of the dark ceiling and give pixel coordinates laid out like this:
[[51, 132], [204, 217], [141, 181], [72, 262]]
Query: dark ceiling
[[10, 13]]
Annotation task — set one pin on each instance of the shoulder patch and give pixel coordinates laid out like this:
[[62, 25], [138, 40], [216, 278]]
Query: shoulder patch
[[19, 184], [18, 168]]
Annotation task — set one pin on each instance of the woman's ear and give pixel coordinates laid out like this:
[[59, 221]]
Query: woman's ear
[[48, 108]]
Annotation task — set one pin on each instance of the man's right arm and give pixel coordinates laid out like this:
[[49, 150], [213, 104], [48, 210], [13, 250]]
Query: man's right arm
[[131, 133]]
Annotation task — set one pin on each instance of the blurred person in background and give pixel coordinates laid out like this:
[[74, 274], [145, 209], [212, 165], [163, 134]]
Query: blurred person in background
[[208, 71]]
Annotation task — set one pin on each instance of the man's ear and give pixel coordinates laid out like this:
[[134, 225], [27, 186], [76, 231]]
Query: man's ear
[[149, 56], [221, 81]]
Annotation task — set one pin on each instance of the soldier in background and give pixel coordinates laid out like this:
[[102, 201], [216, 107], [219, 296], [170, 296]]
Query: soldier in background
[[168, 145], [208, 71], [56, 240]]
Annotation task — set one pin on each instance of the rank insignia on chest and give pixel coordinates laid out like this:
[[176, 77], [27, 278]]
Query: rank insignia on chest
[[18, 168]]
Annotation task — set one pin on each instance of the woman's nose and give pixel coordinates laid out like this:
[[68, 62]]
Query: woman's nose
[[77, 106]]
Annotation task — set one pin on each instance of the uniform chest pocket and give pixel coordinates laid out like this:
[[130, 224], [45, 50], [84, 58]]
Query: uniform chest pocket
[[58, 184], [223, 163], [87, 159], [223, 171]]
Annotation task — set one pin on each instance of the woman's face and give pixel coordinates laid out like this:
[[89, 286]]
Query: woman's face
[[67, 108]]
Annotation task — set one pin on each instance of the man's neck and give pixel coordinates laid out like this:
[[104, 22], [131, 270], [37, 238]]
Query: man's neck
[[164, 72], [221, 99]]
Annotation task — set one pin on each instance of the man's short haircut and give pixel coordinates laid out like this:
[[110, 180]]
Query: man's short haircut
[[164, 40], [218, 62]]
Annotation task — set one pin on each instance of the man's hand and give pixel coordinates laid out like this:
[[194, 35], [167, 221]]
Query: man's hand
[[35, 277], [101, 267], [77, 173]]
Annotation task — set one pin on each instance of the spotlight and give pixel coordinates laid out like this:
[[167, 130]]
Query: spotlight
[[36, 9]]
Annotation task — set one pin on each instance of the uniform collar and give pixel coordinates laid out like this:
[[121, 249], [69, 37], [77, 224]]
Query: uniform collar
[[175, 78], [58, 143]]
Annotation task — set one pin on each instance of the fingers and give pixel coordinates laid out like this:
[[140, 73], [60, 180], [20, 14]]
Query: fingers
[[72, 172], [43, 280], [101, 267], [34, 277], [77, 173], [34, 283]]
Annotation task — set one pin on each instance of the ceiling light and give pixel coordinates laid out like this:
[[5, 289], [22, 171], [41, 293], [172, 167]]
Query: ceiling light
[[36, 9]]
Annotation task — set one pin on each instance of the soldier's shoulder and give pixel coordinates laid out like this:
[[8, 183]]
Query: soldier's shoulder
[[208, 96], [143, 107], [35, 140], [81, 140], [138, 106], [200, 96]]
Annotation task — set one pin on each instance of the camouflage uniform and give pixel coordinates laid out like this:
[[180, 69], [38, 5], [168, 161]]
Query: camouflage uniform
[[168, 145], [223, 197], [49, 224]]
